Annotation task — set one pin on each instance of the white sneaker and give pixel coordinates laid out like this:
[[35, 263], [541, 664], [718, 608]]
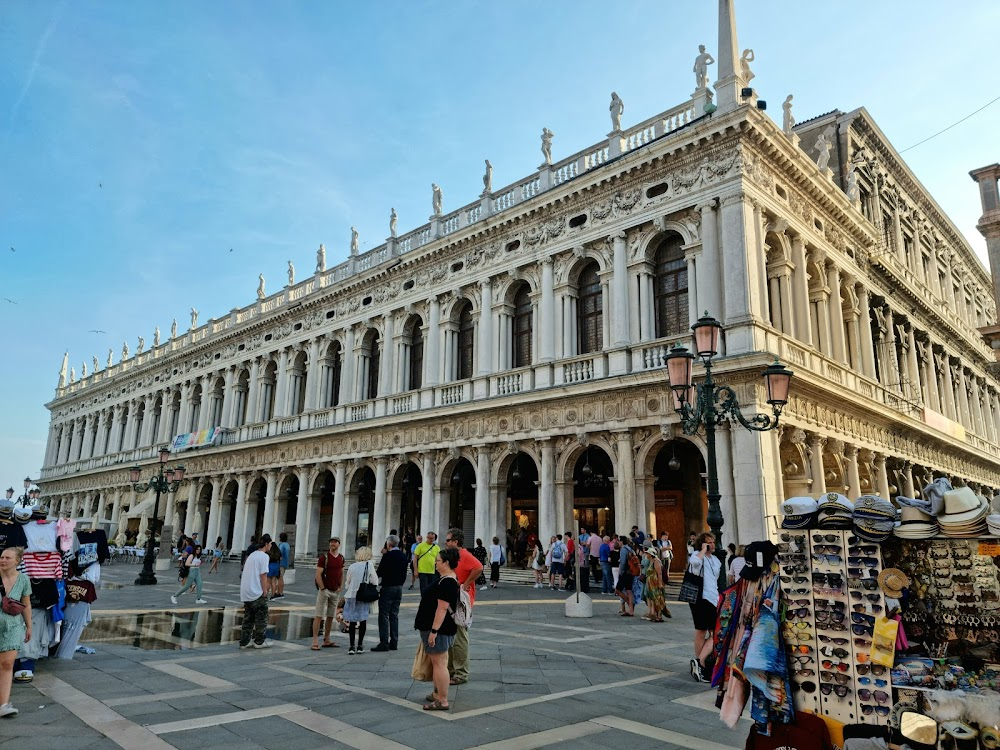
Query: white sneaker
[[7, 710], [173, 600], [265, 644], [202, 601]]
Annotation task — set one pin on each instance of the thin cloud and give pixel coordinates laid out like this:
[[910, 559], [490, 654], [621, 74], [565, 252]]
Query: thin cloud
[[39, 51]]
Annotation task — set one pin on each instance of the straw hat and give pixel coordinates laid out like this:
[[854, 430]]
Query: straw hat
[[961, 507], [892, 581]]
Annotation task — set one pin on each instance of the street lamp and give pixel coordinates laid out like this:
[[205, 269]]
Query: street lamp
[[29, 495], [714, 404], [165, 481]]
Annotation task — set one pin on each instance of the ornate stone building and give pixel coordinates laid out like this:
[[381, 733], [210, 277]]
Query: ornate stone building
[[503, 365]]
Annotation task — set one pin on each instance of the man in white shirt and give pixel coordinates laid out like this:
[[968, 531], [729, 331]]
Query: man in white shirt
[[253, 583]]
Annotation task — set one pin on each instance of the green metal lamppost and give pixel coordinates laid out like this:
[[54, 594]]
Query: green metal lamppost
[[713, 404], [166, 481]]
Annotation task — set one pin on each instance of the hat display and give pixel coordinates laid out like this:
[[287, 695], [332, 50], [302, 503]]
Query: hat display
[[835, 511], [800, 512], [993, 524], [915, 523], [892, 581], [22, 514], [6, 509], [754, 553], [934, 494], [874, 518], [964, 513], [39, 513]]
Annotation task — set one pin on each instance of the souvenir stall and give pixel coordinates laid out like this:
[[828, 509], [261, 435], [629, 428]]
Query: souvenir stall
[[890, 611], [64, 564]]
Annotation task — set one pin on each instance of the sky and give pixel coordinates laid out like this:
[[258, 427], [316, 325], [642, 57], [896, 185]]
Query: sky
[[155, 157]]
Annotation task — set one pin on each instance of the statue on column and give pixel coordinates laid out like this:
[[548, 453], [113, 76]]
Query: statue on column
[[194, 318], [747, 58], [173, 329], [321, 259], [617, 108], [701, 63], [787, 118], [291, 274], [547, 145], [260, 286], [354, 241], [111, 355], [124, 350], [142, 343], [393, 219], [72, 374], [823, 146], [156, 336], [853, 189], [83, 370], [97, 365], [488, 179], [436, 198]]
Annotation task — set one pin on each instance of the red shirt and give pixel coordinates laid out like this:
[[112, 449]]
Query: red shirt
[[467, 563], [334, 569], [807, 733], [570, 547]]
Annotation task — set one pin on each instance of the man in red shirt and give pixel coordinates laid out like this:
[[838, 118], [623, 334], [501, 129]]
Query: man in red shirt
[[468, 570], [571, 562], [329, 576]]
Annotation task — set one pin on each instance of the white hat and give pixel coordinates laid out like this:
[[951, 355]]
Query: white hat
[[961, 507], [798, 506]]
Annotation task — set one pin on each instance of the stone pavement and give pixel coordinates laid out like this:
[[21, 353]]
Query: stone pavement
[[167, 676]]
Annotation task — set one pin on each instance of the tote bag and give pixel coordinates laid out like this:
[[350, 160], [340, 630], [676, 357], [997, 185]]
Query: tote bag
[[691, 586]]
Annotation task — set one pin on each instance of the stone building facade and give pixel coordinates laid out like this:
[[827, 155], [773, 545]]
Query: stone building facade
[[503, 365]]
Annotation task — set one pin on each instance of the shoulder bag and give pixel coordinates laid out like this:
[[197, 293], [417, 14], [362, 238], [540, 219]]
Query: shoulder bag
[[691, 587], [8, 605], [367, 591]]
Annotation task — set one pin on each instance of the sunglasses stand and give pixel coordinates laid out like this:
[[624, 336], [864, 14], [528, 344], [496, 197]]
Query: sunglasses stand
[[831, 623]]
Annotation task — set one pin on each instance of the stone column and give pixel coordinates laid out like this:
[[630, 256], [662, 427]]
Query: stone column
[[305, 476], [800, 293], [484, 523], [282, 392], [338, 523], [271, 477], [691, 255], [228, 398], [977, 410], [836, 313], [816, 443], [625, 503], [387, 365], [963, 397], [214, 512], [890, 376], [427, 509], [116, 511], [380, 512], [853, 473], [619, 291], [913, 369], [432, 356], [546, 317], [881, 476], [725, 456], [240, 524], [907, 474], [548, 518], [312, 380], [709, 270], [486, 345]]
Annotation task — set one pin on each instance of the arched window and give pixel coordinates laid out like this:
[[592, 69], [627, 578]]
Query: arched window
[[670, 287], [415, 365], [523, 327], [372, 351], [466, 342], [590, 312], [334, 370]]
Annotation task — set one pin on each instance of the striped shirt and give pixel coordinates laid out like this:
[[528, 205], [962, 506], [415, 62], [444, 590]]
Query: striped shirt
[[43, 564]]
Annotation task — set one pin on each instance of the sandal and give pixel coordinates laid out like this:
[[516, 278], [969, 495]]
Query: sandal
[[331, 644], [453, 681], [314, 647], [430, 697], [436, 705]]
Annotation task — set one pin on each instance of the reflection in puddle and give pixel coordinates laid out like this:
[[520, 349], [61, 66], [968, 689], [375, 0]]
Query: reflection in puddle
[[109, 585], [178, 631]]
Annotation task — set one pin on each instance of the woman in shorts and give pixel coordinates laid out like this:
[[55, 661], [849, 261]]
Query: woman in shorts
[[437, 626]]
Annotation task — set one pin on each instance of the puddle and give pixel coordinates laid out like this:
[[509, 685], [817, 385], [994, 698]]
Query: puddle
[[109, 585], [178, 631]]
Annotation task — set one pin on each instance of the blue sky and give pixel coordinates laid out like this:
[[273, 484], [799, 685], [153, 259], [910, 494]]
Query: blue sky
[[140, 142]]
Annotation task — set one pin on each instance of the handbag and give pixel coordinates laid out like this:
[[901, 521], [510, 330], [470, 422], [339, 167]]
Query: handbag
[[423, 670], [367, 591], [8, 605], [691, 586]]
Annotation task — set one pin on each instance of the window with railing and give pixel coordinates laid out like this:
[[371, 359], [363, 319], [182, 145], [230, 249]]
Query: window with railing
[[415, 359], [466, 342], [523, 327], [590, 311], [372, 353], [670, 287]]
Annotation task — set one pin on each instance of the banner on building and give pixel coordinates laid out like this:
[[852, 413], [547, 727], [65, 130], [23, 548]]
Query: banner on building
[[199, 439]]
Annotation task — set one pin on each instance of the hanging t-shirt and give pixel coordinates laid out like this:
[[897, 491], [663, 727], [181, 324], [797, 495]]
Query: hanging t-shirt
[[44, 594], [93, 547], [41, 536], [12, 535], [807, 733], [64, 530], [43, 564], [80, 590]]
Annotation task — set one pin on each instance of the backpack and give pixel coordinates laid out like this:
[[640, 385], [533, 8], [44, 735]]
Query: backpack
[[634, 569], [463, 615], [557, 552]]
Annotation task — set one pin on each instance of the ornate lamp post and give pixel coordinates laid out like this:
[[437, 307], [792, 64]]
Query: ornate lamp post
[[713, 404], [166, 481], [28, 498]]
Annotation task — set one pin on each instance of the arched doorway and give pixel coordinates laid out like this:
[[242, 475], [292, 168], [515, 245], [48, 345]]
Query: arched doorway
[[227, 515], [522, 504], [363, 521], [322, 521], [255, 510], [410, 496], [286, 502], [593, 492], [679, 495], [461, 512]]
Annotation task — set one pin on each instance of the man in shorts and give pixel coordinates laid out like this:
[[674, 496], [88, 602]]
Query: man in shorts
[[286, 550], [329, 577]]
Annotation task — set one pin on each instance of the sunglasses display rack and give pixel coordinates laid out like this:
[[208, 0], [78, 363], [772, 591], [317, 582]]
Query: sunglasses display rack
[[830, 585]]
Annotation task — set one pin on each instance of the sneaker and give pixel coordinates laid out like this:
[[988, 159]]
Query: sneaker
[[351, 652], [246, 645], [278, 596], [482, 588], [7, 710], [265, 644], [359, 650], [201, 601], [694, 668], [393, 647]]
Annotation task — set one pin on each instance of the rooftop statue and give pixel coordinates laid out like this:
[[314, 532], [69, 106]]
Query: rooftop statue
[[393, 219], [547, 145], [142, 343], [173, 329], [617, 108], [745, 60], [83, 370], [823, 145], [436, 198], [291, 274], [124, 350], [111, 355], [97, 365], [260, 286], [488, 179], [156, 336], [354, 241], [701, 63], [321, 259], [787, 118], [194, 318]]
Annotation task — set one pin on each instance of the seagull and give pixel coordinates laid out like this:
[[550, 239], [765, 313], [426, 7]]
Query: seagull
[[93, 330], [100, 185], [13, 250], [230, 249], [8, 299]]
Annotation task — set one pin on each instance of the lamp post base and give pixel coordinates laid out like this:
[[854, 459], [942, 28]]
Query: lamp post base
[[146, 578]]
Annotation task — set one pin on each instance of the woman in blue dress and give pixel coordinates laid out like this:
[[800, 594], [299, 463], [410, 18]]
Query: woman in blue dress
[[15, 629]]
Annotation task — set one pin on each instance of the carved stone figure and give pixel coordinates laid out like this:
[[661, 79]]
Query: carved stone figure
[[124, 350], [260, 286], [83, 370], [617, 108], [156, 336], [354, 241], [291, 274], [393, 220], [853, 189], [488, 179], [173, 329], [822, 147], [701, 63], [72, 374], [97, 365], [111, 355], [745, 60], [321, 259], [787, 118], [547, 145], [436, 198], [142, 343], [194, 318]]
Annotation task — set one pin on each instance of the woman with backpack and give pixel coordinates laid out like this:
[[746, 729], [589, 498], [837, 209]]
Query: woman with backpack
[[192, 566], [629, 570], [538, 563]]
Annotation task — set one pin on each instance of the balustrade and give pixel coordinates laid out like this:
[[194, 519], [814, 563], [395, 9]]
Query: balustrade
[[402, 404]]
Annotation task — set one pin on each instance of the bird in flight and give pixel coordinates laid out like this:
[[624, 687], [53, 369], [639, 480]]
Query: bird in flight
[[99, 185], [13, 250], [8, 299], [94, 330], [230, 249]]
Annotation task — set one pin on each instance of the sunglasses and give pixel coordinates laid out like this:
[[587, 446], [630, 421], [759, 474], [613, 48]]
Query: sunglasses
[[836, 579], [863, 658], [794, 579], [792, 635], [827, 549], [861, 629], [838, 665], [840, 690], [840, 679], [876, 669], [796, 592], [808, 687], [798, 612], [809, 673], [826, 538], [860, 617], [801, 602], [859, 595], [868, 710], [867, 549], [868, 681], [862, 643], [795, 568], [830, 605], [828, 559], [839, 653], [800, 659], [834, 640], [863, 583], [825, 617], [793, 537], [869, 562], [880, 695], [863, 608]]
